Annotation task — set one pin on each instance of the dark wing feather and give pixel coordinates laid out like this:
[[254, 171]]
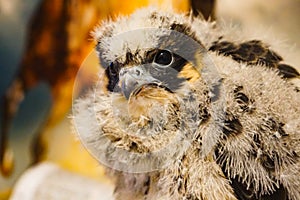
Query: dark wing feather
[[242, 193], [288, 71], [254, 52]]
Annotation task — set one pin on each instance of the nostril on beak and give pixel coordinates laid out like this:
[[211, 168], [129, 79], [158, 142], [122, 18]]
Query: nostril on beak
[[133, 77], [137, 72]]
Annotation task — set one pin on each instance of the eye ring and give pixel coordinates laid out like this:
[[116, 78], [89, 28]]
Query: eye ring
[[163, 58]]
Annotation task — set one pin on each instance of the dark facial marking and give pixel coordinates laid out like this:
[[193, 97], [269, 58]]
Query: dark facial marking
[[168, 75], [112, 73], [150, 55], [178, 63], [162, 65]]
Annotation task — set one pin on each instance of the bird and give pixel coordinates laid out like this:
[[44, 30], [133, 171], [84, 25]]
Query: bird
[[186, 108]]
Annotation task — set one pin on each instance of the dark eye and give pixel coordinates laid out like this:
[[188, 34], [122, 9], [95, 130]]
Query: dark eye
[[163, 57]]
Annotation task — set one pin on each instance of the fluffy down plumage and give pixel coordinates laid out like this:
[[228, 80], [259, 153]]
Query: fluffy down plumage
[[228, 133]]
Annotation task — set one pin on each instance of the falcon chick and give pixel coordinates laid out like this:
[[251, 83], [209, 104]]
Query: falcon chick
[[189, 110]]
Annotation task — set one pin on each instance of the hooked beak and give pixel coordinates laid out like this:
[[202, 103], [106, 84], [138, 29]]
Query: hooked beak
[[133, 79]]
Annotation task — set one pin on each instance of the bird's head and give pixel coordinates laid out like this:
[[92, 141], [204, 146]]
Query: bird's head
[[153, 92], [150, 59]]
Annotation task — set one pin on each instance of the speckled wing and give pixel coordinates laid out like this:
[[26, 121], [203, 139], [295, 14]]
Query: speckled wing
[[254, 52]]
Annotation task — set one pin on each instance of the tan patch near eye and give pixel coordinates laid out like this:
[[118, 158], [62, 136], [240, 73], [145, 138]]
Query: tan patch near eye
[[189, 72]]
